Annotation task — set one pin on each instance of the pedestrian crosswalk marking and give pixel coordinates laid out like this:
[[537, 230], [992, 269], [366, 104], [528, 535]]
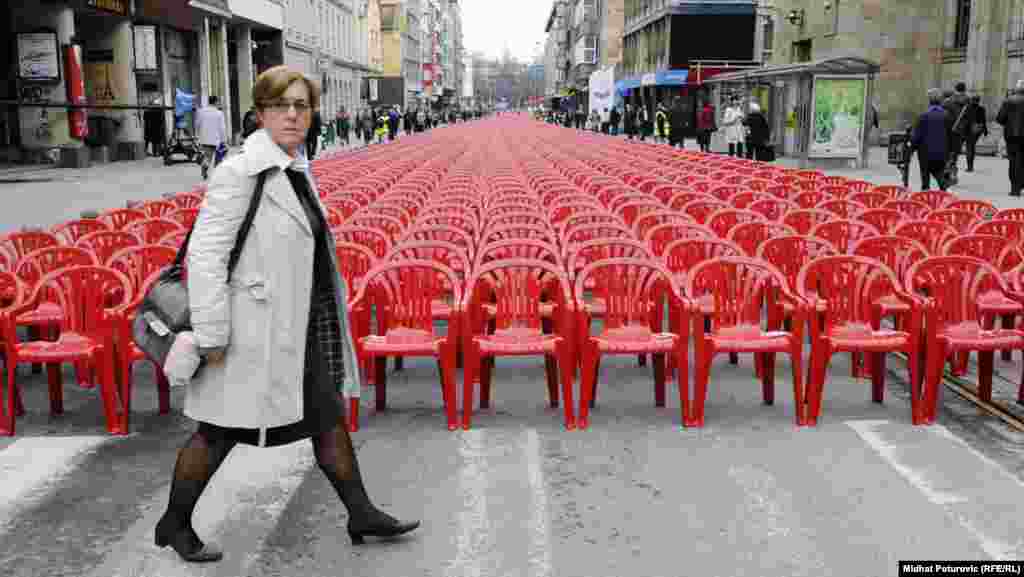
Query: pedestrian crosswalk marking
[[540, 523], [33, 467], [939, 464]]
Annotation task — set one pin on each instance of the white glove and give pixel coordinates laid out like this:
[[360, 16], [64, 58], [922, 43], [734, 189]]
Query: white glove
[[182, 360]]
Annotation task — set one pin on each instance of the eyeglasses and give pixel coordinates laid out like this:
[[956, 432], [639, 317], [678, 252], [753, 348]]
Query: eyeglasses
[[283, 106]]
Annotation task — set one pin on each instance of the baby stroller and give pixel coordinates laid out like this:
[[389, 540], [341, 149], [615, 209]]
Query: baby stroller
[[181, 142]]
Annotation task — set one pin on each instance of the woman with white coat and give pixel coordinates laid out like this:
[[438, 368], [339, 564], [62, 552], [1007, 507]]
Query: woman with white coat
[[735, 132], [276, 340]]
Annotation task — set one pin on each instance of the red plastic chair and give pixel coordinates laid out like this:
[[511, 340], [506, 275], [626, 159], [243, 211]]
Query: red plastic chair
[[87, 326], [722, 221], [899, 253], [588, 232], [186, 217], [783, 191], [151, 230], [515, 287], [750, 235], [844, 291], [812, 198], [843, 234], [141, 265], [659, 237], [120, 218], [518, 231], [104, 244], [804, 220], [1011, 230], [932, 234], [893, 191], [518, 249], [174, 239], [871, 200], [700, 210], [649, 220], [1008, 214], [935, 199], [187, 200], [774, 208], [837, 191], [884, 219], [744, 199], [910, 209], [72, 231], [442, 233], [984, 210], [409, 288], [632, 292], [739, 286], [19, 244], [842, 208], [948, 289], [373, 238], [159, 208], [389, 225], [962, 220]]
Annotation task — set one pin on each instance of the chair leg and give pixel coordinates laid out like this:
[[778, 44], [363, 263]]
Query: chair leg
[[768, 378], [113, 403], [936, 361], [1007, 354], [448, 360], [56, 382], [986, 365], [472, 361], [567, 367], [8, 403], [700, 390], [594, 381], [353, 415], [551, 370], [683, 383], [588, 373], [380, 390], [162, 385], [485, 374], [658, 360], [815, 386], [877, 377], [734, 358]]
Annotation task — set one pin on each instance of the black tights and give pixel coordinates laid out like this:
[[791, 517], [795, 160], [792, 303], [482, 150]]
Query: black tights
[[201, 456]]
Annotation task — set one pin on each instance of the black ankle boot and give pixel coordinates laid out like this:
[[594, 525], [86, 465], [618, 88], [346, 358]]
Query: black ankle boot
[[376, 523], [185, 542]]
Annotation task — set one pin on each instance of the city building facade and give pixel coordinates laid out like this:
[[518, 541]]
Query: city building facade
[[595, 37], [401, 80], [557, 60]]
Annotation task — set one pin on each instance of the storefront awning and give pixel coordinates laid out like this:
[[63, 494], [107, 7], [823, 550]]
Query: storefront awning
[[218, 7], [842, 65], [659, 78], [263, 12]]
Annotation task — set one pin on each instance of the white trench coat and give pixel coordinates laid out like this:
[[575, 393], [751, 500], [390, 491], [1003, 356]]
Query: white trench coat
[[262, 317]]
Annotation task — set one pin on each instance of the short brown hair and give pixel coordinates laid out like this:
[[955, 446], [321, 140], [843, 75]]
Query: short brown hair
[[275, 81]]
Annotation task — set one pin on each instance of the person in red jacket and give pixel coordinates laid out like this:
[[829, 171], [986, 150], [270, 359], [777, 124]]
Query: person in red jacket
[[705, 126]]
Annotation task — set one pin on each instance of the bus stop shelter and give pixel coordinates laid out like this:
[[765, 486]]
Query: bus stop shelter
[[820, 112]]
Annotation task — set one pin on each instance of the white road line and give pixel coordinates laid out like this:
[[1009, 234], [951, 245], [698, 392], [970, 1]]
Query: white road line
[[988, 510], [540, 524], [238, 510], [33, 467], [474, 528]]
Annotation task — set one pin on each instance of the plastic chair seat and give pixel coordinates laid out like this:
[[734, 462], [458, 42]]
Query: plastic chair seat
[[46, 314], [749, 339], [861, 337], [996, 303], [69, 345], [403, 341], [969, 336], [635, 339], [518, 341]]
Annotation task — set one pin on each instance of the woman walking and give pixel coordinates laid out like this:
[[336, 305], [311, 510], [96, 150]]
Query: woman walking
[[276, 340]]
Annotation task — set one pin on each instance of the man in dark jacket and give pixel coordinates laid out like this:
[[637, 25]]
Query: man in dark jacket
[[931, 140], [759, 132], [679, 123], [313, 134], [956, 108], [977, 126], [1011, 117]]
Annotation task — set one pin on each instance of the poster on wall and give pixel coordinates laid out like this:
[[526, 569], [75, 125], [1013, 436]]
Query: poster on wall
[[837, 116], [602, 90], [99, 76], [38, 58], [145, 48]]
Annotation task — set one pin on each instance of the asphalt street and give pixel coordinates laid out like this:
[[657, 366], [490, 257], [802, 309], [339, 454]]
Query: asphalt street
[[635, 495]]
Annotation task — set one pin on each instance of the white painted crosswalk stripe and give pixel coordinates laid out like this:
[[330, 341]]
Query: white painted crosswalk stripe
[[31, 468], [977, 493], [238, 510]]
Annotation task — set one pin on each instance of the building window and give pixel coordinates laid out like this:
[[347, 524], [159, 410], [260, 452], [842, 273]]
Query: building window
[[769, 39], [835, 16], [388, 18], [963, 23]]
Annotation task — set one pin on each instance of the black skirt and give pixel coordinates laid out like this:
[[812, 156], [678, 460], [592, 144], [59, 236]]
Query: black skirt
[[321, 410]]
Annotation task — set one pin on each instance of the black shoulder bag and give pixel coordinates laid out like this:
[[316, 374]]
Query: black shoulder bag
[[164, 311]]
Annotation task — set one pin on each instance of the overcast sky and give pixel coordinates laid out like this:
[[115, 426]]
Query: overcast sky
[[490, 25]]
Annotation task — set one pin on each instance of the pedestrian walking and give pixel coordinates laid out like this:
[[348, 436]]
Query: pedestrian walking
[[629, 122], [705, 126], [956, 107], [313, 135], [154, 132], [931, 140], [1011, 118], [735, 133], [661, 125], [368, 122], [344, 126], [758, 133], [977, 127], [614, 117], [254, 388], [679, 121], [212, 129], [644, 124], [250, 123], [392, 122]]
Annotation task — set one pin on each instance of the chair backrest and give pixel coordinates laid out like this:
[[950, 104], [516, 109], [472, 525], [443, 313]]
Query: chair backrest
[[987, 247], [410, 286], [104, 244], [750, 235], [120, 218], [931, 233], [870, 200], [737, 287], [38, 263], [898, 253], [682, 255], [984, 210], [773, 208], [518, 231], [962, 220], [151, 230], [12, 290], [790, 253], [804, 220], [812, 198], [722, 221], [138, 263], [19, 244], [580, 255], [884, 219], [373, 238], [83, 295], [701, 209], [935, 199], [842, 208], [848, 285], [686, 196], [517, 285], [159, 208], [71, 232], [844, 233], [628, 287], [518, 248], [955, 285], [187, 200], [389, 225], [649, 220]]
